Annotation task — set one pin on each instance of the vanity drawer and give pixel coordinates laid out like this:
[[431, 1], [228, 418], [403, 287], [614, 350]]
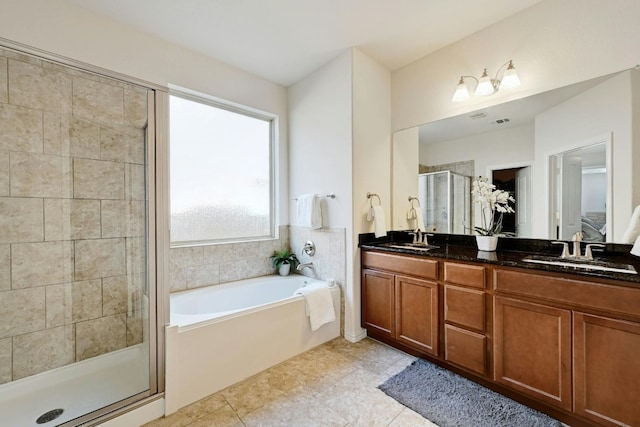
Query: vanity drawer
[[599, 296], [405, 264], [464, 307], [464, 274], [466, 349]]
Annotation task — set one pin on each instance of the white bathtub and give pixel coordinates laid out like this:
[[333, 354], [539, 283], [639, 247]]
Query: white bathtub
[[222, 334]]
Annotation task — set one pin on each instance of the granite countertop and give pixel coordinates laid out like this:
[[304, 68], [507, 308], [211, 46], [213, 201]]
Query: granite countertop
[[510, 253]]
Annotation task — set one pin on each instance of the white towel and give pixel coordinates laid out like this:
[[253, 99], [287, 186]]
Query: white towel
[[633, 229], [635, 250], [319, 304], [309, 211], [376, 214]]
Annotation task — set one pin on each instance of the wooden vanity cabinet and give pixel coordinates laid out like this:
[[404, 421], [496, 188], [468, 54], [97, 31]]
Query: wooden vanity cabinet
[[399, 302], [465, 316], [532, 350], [569, 342], [606, 370]]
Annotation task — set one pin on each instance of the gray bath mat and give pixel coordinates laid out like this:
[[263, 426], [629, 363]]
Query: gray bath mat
[[450, 400]]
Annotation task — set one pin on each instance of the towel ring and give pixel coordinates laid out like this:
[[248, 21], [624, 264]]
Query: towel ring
[[411, 199], [370, 196]]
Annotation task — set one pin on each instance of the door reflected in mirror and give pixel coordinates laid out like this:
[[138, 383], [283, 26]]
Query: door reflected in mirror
[[579, 187]]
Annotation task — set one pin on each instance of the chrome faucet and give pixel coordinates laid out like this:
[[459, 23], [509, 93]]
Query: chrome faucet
[[302, 265], [419, 237]]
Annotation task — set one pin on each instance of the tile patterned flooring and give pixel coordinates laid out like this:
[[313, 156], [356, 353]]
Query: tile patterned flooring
[[334, 384]]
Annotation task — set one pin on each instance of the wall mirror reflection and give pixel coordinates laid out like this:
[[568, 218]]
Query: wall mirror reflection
[[520, 145]]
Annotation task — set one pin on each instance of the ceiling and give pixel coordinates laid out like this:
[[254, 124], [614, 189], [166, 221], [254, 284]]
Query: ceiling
[[285, 40]]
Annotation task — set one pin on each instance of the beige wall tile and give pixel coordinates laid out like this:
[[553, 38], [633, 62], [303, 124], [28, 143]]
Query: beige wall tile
[[122, 144], [136, 255], [94, 179], [187, 256], [99, 258], [135, 292], [134, 330], [4, 173], [135, 182], [84, 139], [114, 295], [122, 218], [66, 219], [20, 129], [100, 336], [21, 311], [98, 102], [86, 300], [3, 81], [135, 108], [5, 267], [177, 279], [56, 134], [202, 275], [43, 350], [35, 87], [21, 220], [5, 360], [39, 264], [36, 175], [59, 300]]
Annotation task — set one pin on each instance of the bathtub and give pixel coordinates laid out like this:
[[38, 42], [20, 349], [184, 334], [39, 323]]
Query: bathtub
[[222, 334]]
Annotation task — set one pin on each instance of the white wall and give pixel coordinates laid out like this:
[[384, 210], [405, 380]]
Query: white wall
[[405, 160], [371, 153], [584, 119], [340, 142], [553, 43], [320, 133], [59, 28], [497, 148]]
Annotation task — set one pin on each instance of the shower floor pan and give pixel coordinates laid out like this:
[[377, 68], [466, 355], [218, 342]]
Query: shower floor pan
[[77, 389]]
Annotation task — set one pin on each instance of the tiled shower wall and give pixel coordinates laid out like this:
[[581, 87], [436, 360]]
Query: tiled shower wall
[[72, 215]]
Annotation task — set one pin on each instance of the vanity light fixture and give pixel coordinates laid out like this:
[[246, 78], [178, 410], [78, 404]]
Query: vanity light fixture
[[486, 85]]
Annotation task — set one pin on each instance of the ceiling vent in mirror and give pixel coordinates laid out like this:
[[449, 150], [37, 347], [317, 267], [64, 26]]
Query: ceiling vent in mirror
[[500, 121], [478, 115]]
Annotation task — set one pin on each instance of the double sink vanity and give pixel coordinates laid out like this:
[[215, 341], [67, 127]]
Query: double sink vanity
[[559, 336]]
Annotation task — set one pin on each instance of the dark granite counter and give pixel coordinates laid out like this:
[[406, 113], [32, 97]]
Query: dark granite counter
[[510, 253]]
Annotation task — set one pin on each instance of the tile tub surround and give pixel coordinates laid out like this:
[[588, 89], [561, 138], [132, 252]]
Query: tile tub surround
[[205, 265], [334, 384], [72, 215]]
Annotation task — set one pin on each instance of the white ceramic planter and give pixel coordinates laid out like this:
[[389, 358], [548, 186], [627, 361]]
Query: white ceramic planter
[[487, 243], [284, 269]]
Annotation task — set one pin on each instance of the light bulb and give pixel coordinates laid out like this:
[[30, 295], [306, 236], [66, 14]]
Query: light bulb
[[485, 86], [510, 78], [462, 92]]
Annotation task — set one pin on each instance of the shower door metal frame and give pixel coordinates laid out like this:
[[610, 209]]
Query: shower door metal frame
[[157, 243]]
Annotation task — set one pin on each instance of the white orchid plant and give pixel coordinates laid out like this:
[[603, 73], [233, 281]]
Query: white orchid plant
[[490, 200]]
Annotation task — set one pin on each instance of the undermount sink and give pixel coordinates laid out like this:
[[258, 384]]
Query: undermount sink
[[582, 264], [413, 246]]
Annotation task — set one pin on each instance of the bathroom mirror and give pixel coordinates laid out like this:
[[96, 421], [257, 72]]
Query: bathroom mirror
[[518, 143]]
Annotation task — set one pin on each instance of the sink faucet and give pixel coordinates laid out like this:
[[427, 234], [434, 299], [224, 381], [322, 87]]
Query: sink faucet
[[302, 265], [577, 238]]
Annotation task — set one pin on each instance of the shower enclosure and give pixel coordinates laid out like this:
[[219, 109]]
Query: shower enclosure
[[77, 293], [445, 200]]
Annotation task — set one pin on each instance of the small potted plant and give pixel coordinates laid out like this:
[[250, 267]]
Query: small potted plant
[[283, 261]]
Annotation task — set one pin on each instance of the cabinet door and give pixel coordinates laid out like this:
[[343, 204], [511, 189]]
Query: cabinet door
[[532, 352], [417, 313], [378, 302], [607, 370]]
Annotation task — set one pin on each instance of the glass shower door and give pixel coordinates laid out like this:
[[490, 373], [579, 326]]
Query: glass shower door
[[75, 305]]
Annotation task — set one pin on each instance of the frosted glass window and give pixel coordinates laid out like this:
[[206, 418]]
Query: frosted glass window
[[221, 173]]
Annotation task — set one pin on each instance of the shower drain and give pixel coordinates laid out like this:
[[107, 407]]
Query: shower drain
[[49, 416]]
